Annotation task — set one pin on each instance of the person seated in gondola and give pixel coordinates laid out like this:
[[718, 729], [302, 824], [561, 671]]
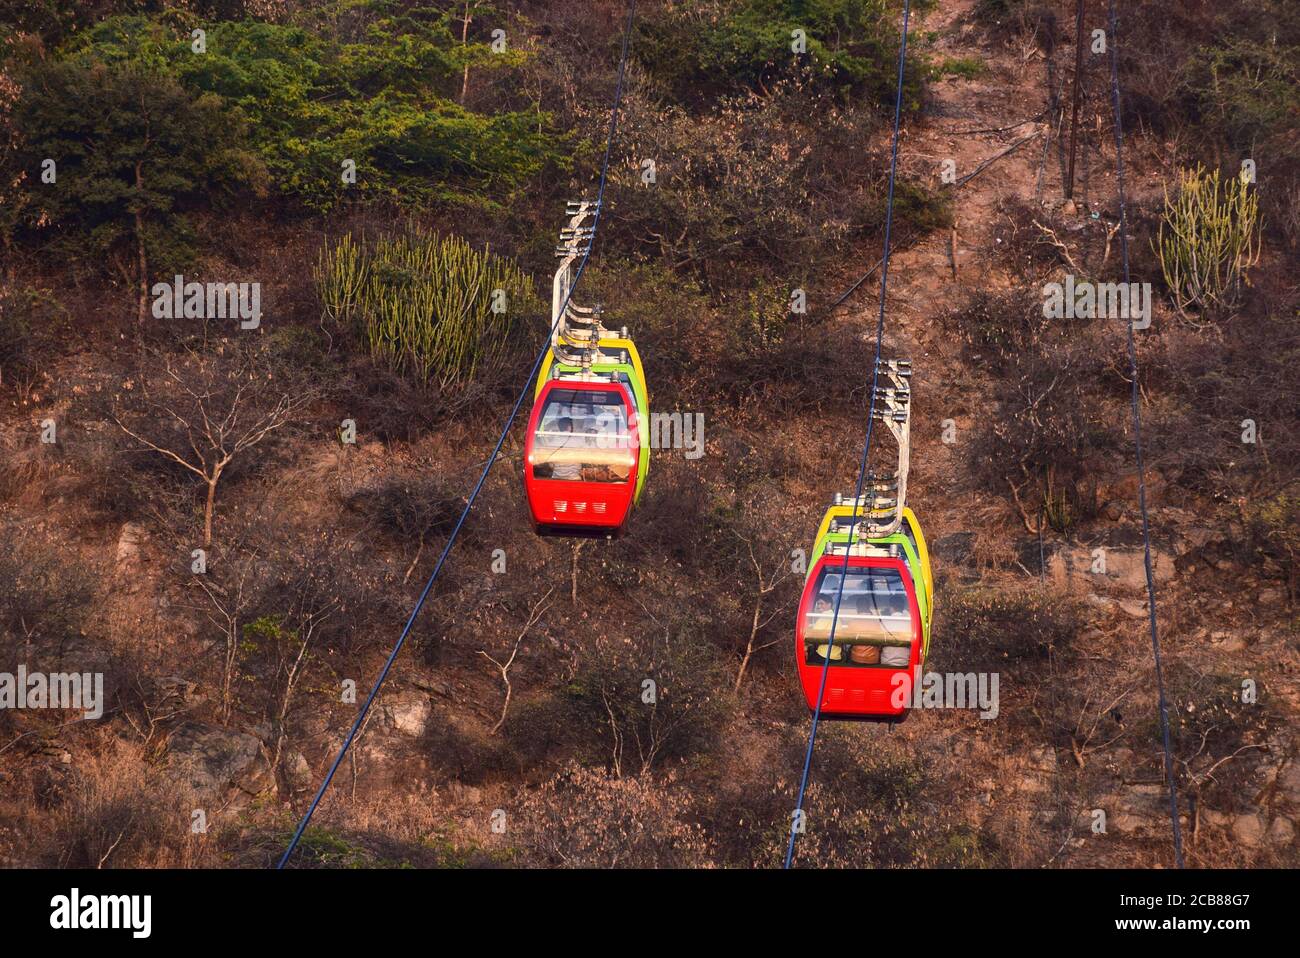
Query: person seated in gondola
[[823, 606], [865, 654], [896, 656], [563, 470]]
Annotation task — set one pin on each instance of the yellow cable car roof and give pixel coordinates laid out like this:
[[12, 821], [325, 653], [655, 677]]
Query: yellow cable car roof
[[909, 518], [606, 345]]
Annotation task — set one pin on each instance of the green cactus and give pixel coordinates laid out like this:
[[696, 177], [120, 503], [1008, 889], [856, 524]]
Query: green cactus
[[1059, 501], [1207, 240], [424, 303]]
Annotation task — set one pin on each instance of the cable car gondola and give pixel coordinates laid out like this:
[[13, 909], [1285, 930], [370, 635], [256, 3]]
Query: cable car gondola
[[911, 528], [615, 356], [840, 521], [878, 633], [581, 456], [841, 534]]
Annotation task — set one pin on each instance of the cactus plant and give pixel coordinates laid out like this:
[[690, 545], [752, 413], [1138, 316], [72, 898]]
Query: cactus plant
[[1207, 240], [424, 303]]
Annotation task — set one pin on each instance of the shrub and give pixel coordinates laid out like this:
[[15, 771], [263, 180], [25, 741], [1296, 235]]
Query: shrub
[[1018, 18], [409, 508], [665, 313], [584, 819], [1207, 241], [806, 372], [1049, 427], [871, 806], [1215, 381], [369, 81], [763, 321], [988, 631], [968, 68], [424, 304], [1214, 734], [994, 326], [916, 209], [1274, 525], [759, 184], [124, 812], [15, 339], [697, 51], [604, 709], [1226, 90], [1242, 89], [45, 594]]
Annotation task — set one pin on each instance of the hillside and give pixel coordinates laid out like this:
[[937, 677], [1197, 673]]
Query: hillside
[[513, 729]]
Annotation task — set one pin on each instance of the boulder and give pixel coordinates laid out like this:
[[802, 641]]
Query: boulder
[[128, 542], [1290, 781], [1040, 771], [1213, 817], [214, 761], [177, 687], [1248, 830], [297, 772], [1228, 641], [1139, 809], [1125, 568], [1134, 609], [1271, 596], [1281, 832], [406, 713]]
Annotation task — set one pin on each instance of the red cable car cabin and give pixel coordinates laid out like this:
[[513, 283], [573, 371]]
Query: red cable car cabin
[[876, 658], [581, 456]]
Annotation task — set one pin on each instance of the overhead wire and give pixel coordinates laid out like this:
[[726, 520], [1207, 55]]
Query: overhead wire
[[1135, 402]]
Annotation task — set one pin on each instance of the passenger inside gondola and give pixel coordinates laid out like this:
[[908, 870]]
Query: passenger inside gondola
[[874, 610], [824, 605], [897, 656], [582, 439], [865, 654], [558, 439]]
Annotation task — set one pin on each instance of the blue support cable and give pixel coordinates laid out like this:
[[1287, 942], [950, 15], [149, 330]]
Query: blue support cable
[[866, 445], [1137, 441], [478, 486]]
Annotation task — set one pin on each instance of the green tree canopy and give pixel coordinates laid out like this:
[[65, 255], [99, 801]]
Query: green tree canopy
[[700, 51], [373, 85], [132, 150]]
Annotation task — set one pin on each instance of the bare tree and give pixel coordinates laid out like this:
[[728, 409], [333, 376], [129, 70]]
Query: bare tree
[[767, 584], [311, 607], [226, 609], [656, 698], [204, 413], [504, 667]]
